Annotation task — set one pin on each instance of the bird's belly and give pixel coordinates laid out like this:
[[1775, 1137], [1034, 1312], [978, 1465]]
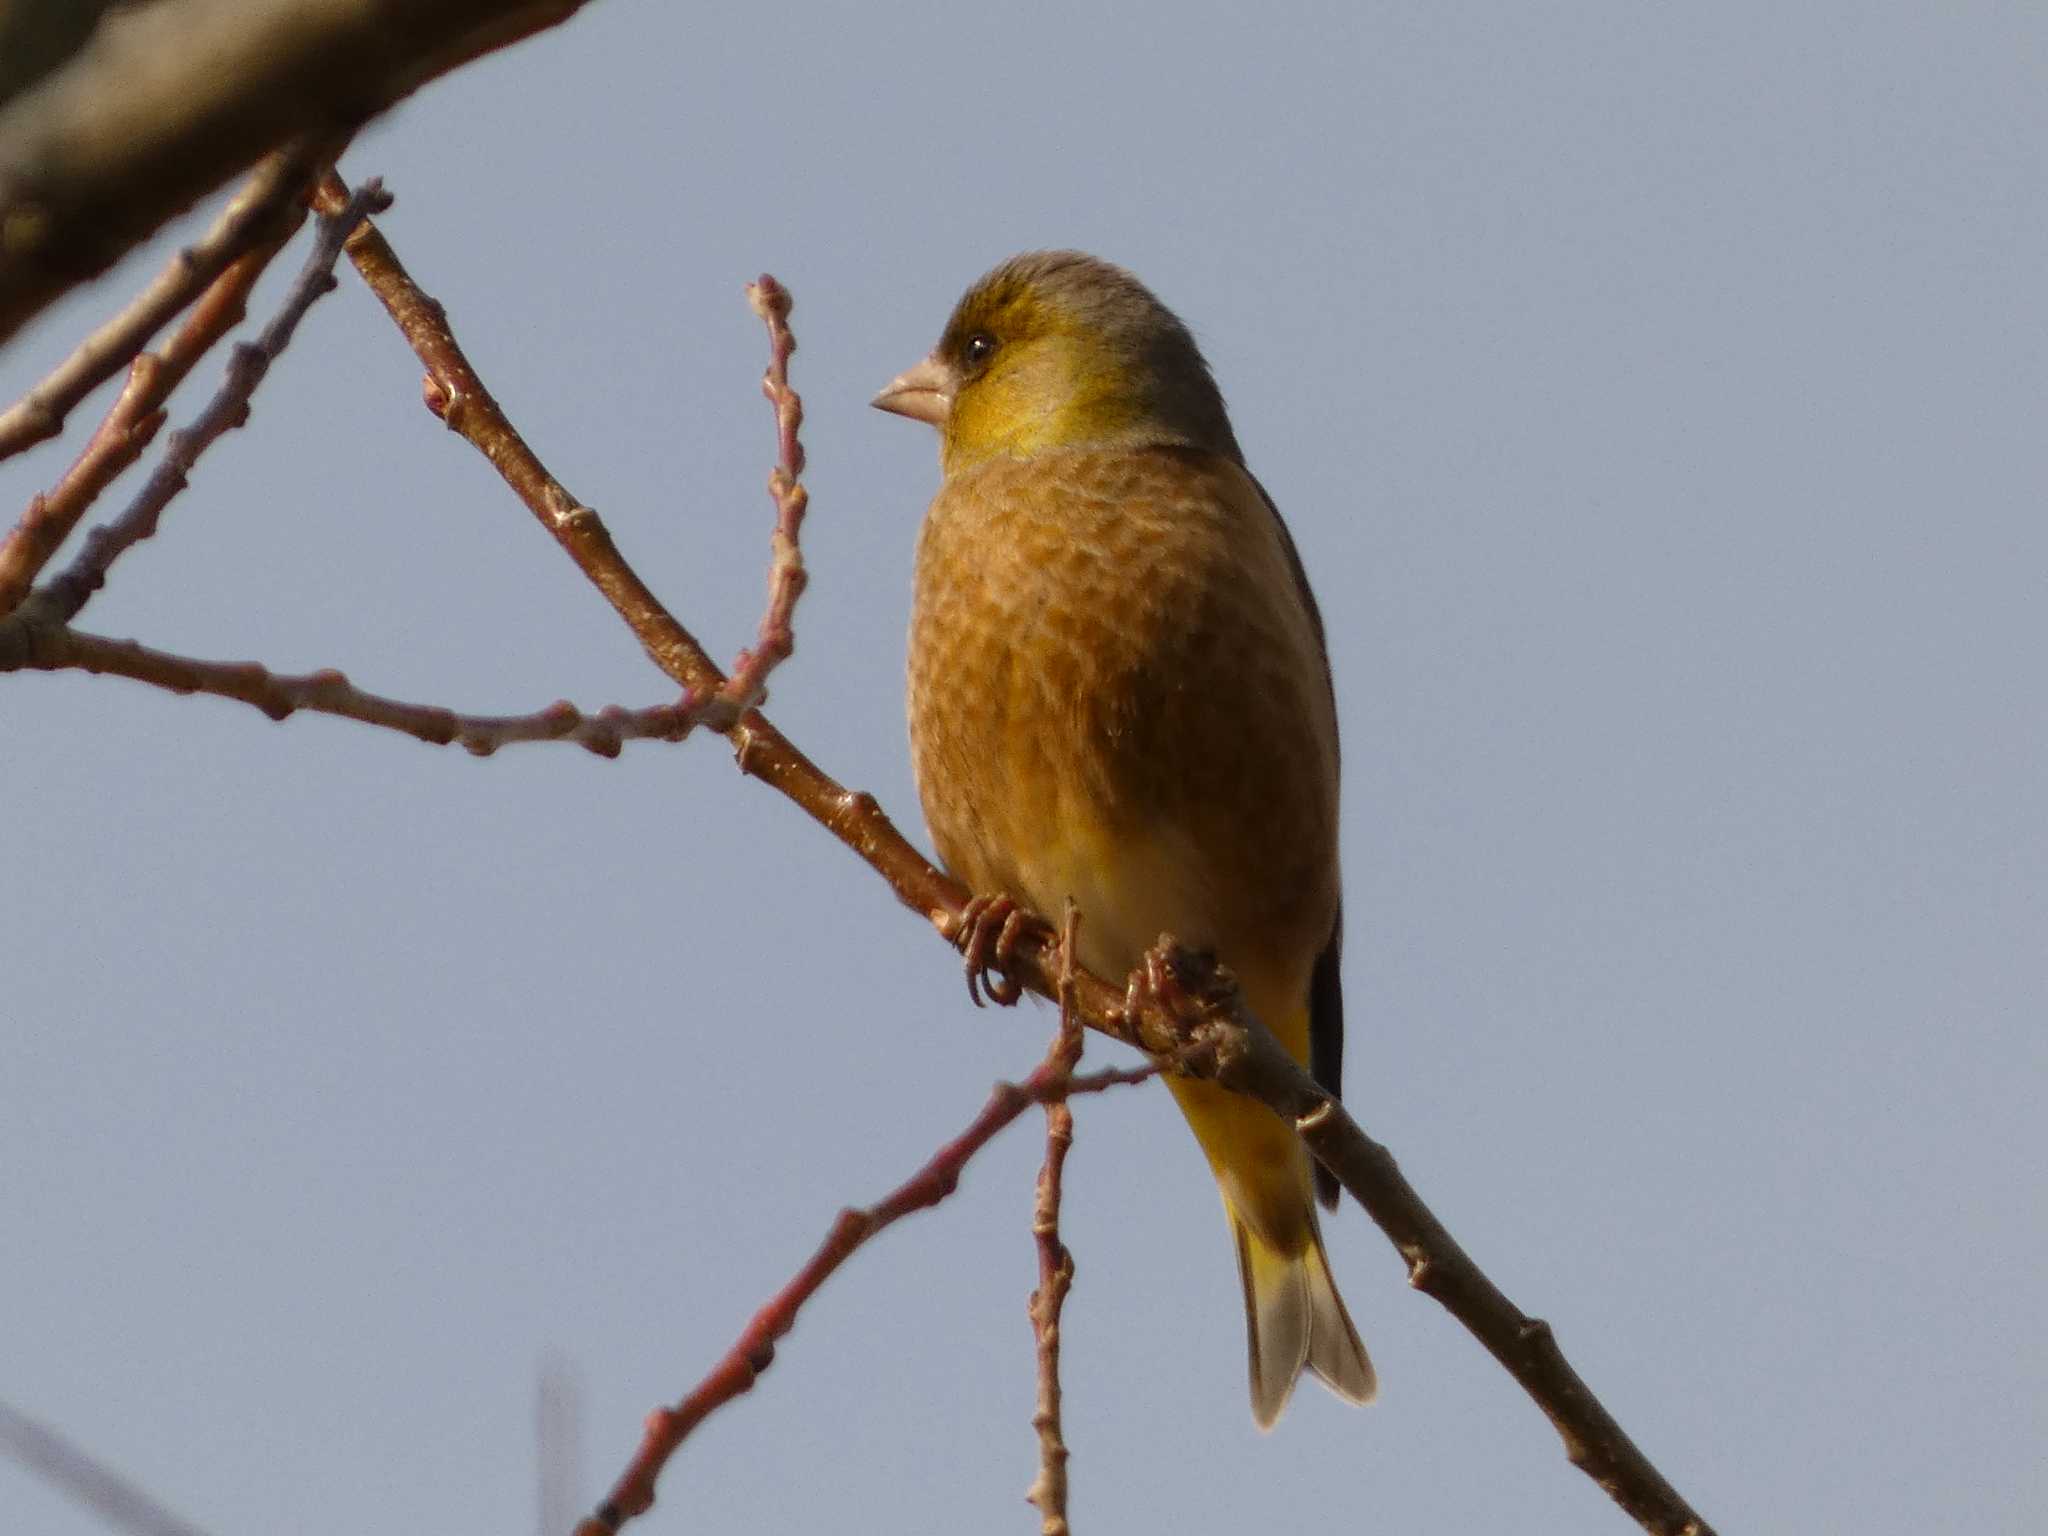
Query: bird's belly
[[1116, 698], [1033, 787], [1129, 888]]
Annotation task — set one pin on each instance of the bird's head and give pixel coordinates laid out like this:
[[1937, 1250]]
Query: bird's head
[[1054, 349]]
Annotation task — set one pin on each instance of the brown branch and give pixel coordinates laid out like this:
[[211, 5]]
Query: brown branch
[[168, 100], [456, 394], [1223, 1040], [787, 577], [267, 209], [136, 414], [41, 647], [1218, 1038], [92, 1483], [1048, 1490], [754, 1351], [59, 600]]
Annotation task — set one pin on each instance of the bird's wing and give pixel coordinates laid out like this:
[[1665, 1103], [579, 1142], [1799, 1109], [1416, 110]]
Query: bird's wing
[[1326, 987]]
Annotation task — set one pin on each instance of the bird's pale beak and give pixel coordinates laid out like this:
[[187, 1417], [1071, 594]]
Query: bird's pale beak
[[923, 393]]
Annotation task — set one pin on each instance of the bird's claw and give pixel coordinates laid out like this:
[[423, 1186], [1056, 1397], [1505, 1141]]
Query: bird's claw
[[990, 927], [1155, 979], [1190, 988]]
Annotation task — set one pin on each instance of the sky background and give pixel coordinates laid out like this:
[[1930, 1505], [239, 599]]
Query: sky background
[[1657, 397]]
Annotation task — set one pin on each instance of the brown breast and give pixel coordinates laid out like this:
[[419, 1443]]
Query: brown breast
[[1111, 658]]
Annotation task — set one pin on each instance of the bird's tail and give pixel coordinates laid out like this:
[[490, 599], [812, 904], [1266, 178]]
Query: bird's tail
[[1295, 1319]]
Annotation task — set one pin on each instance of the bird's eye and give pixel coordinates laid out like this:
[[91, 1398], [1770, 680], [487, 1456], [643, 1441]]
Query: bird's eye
[[978, 348]]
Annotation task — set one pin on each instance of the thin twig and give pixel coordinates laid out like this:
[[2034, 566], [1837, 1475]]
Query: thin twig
[[136, 414], [455, 392], [92, 1483], [1048, 1490], [787, 577], [56, 648], [457, 395], [58, 600], [754, 1351], [265, 201], [1221, 1040]]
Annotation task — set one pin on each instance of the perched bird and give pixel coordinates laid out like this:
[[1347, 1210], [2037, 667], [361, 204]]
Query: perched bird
[[1119, 693]]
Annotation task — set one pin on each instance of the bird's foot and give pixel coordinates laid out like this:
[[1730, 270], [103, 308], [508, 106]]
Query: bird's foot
[[1188, 986], [987, 934], [1154, 980]]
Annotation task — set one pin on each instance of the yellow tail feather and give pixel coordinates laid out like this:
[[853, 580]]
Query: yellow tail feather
[[1295, 1320], [1293, 1315]]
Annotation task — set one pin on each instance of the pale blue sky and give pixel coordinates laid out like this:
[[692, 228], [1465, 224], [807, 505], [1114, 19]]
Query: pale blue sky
[[1657, 396]]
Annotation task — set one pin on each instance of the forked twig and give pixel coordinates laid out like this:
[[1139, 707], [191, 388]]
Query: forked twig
[[135, 416], [248, 220], [455, 392], [41, 639], [58, 600], [754, 1351]]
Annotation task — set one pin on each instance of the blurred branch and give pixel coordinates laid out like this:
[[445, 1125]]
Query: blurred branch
[[38, 35], [264, 214], [98, 1487], [1048, 1490], [42, 647], [558, 1443], [1179, 1007], [754, 1351], [135, 416], [169, 98], [58, 601]]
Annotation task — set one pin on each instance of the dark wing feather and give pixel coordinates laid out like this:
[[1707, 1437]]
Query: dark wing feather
[[1326, 1037], [1326, 985]]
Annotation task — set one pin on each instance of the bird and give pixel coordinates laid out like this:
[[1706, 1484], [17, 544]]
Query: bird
[[1119, 694]]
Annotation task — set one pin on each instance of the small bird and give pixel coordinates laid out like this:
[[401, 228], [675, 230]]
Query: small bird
[[1119, 693]]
